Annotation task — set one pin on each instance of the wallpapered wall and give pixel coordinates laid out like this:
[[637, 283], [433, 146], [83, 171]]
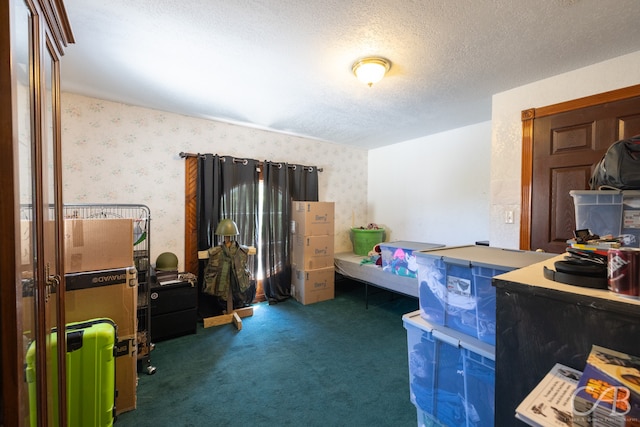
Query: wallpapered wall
[[116, 153]]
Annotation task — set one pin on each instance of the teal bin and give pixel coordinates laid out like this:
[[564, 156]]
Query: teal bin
[[365, 239]]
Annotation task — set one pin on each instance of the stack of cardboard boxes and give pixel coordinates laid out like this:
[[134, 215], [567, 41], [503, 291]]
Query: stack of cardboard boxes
[[312, 250], [101, 281]]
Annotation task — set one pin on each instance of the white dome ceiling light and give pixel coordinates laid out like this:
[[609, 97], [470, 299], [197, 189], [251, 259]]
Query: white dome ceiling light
[[371, 70]]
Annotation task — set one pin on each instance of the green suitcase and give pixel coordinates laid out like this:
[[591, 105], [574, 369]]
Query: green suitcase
[[90, 364]]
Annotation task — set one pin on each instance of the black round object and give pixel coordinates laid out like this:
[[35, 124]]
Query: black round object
[[581, 268]]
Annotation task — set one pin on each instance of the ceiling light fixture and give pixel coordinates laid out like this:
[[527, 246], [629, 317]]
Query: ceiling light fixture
[[371, 70]]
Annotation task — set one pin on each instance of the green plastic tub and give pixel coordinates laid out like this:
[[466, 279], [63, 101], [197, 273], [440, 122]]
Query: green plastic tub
[[364, 239]]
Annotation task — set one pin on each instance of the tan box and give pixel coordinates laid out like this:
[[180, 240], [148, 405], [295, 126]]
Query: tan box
[[112, 294], [97, 244], [126, 374], [104, 293], [312, 252], [313, 218], [26, 243], [313, 286]]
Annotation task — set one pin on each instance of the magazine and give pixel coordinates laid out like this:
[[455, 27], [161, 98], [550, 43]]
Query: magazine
[[608, 393], [551, 401]]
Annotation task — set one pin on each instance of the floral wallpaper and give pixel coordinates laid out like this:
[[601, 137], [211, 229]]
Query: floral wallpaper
[[117, 153]]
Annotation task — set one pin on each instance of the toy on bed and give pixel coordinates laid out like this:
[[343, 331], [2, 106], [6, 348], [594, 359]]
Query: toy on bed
[[401, 262], [374, 256]]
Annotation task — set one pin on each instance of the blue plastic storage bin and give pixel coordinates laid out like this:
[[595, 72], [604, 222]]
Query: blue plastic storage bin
[[455, 285], [425, 419], [451, 375], [398, 258]]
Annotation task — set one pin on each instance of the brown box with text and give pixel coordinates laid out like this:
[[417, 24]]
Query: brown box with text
[[311, 286], [313, 218]]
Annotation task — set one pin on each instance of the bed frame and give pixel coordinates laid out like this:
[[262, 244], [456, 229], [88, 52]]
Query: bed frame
[[350, 265]]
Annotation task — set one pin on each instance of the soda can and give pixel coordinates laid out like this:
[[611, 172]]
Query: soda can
[[623, 271]]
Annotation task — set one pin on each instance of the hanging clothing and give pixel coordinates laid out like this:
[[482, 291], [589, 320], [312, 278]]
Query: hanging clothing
[[227, 267]]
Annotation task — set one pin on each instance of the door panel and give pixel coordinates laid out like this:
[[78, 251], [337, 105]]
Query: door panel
[[33, 35], [22, 48], [52, 205], [566, 145], [39, 188], [629, 125]]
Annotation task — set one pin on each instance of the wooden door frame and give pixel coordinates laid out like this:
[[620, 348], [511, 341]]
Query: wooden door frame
[[191, 261], [528, 118]]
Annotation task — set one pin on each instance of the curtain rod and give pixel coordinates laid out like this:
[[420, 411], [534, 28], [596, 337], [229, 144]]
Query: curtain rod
[[260, 164], [183, 155]]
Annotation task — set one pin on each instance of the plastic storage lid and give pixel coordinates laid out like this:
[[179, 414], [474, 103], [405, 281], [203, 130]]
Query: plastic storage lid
[[450, 336], [611, 192], [412, 245], [485, 256]]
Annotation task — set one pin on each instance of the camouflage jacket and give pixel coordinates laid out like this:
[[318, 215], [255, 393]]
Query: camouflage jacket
[[227, 267]]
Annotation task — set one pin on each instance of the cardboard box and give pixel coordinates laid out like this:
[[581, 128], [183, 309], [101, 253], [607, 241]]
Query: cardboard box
[[126, 374], [311, 286], [97, 244], [312, 252], [104, 293], [113, 294], [26, 242], [313, 218]]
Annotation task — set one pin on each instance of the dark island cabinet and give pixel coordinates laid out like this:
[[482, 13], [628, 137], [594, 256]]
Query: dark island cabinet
[[540, 322]]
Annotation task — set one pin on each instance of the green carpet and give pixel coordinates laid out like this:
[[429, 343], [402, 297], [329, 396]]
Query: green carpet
[[333, 363]]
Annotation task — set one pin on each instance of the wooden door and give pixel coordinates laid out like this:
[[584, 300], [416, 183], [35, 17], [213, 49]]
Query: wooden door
[[561, 143], [32, 36]]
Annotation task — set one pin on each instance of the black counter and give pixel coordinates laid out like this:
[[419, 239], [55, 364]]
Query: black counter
[[540, 322]]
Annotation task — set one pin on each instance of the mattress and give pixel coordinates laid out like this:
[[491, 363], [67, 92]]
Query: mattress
[[350, 265]]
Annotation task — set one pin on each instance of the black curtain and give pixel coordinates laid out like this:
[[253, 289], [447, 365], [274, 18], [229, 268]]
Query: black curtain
[[208, 193], [227, 188], [303, 183], [283, 184], [240, 193]]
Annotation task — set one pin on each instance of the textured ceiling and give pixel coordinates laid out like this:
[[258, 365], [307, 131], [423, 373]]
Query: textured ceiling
[[285, 65]]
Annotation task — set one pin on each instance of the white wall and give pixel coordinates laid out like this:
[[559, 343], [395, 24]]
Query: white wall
[[506, 145], [433, 189], [116, 153]]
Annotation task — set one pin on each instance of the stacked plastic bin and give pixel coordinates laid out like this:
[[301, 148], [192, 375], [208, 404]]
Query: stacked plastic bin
[[451, 339], [609, 212], [398, 258]]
